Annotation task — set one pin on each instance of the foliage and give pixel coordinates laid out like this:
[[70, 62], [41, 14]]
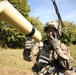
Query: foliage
[[37, 24], [68, 33], [9, 36], [22, 6]]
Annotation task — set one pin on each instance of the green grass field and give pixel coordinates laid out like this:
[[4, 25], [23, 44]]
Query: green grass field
[[12, 63]]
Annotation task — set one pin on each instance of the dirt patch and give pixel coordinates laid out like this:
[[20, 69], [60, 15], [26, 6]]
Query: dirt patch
[[5, 70]]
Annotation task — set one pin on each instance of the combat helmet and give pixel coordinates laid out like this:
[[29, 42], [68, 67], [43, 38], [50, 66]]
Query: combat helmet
[[51, 24]]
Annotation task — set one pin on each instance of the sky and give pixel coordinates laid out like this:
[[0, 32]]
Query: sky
[[44, 9]]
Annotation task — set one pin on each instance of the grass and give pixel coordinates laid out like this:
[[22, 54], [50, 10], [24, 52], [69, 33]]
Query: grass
[[13, 58], [12, 62]]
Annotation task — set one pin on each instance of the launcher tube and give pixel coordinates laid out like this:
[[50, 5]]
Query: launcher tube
[[10, 15]]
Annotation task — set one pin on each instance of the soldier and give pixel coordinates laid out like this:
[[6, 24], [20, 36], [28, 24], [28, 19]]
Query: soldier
[[51, 48]]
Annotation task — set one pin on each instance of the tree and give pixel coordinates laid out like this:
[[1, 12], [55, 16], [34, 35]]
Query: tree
[[22, 6], [9, 36], [12, 37], [69, 33]]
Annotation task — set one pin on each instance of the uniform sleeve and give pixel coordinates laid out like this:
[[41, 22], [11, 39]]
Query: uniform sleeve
[[31, 54], [64, 56], [35, 51]]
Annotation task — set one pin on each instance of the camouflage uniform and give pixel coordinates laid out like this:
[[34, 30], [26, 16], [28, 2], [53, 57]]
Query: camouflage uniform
[[54, 51]]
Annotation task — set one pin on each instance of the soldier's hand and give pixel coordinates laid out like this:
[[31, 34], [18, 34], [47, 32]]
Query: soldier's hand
[[29, 43], [55, 43], [28, 48]]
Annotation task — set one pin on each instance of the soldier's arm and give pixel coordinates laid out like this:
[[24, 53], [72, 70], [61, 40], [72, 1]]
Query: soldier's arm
[[65, 57], [29, 42], [63, 53], [30, 50]]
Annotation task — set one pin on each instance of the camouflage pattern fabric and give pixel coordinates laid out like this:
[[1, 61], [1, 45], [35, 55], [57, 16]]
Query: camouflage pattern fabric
[[62, 54], [65, 57], [69, 72]]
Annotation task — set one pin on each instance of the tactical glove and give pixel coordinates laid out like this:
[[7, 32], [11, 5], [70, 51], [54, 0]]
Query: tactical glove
[[28, 48], [55, 43], [29, 43]]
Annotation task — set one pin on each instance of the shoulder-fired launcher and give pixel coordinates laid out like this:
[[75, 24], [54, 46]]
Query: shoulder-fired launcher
[[10, 15]]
